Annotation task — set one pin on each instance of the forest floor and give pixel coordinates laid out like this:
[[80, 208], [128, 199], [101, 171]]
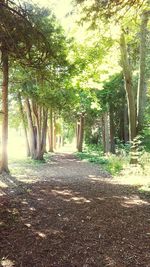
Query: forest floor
[[70, 213]]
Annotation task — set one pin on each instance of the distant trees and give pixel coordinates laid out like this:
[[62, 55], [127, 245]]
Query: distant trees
[[136, 114], [30, 37], [120, 13], [142, 84], [18, 41], [81, 82]]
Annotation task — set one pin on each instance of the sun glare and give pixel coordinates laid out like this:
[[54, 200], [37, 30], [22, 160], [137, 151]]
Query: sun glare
[[60, 7]]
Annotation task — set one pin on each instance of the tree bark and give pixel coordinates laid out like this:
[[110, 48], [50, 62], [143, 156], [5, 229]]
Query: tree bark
[[112, 131], [103, 133], [40, 114], [55, 139], [81, 133], [44, 129], [5, 73], [129, 88], [141, 94], [37, 113], [107, 132], [32, 130], [51, 132], [126, 128], [77, 134], [24, 124], [121, 125]]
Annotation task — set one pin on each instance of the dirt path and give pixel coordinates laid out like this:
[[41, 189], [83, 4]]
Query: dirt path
[[68, 213]]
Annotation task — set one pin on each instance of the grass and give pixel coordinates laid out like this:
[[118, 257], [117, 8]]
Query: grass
[[111, 163], [135, 176], [120, 169], [23, 160], [18, 166]]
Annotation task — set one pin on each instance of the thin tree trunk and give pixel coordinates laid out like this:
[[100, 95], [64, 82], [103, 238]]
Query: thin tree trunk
[[126, 128], [103, 133], [51, 132], [129, 88], [39, 151], [77, 134], [107, 131], [141, 94], [121, 125], [55, 138], [24, 124], [81, 133], [41, 124], [32, 132], [112, 131], [44, 130], [5, 73], [39, 154]]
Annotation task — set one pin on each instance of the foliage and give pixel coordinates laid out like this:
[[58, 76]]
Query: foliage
[[111, 163], [20, 36], [115, 164], [93, 10], [74, 77], [120, 169]]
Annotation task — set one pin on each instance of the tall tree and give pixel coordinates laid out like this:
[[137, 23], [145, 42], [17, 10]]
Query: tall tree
[[5, 70], [23, 123], [19, 38], [120, 12], [141, 93], [128, 87]]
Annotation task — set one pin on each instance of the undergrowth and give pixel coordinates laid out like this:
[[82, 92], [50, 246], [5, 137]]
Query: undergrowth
[[118, 166], [29, 161], [111, 163]]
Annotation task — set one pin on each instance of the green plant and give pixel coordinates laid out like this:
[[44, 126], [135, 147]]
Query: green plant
[[111, 163], [115, 164]]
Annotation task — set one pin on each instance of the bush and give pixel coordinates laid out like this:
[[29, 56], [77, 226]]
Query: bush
[[111, 163], [115, 164]]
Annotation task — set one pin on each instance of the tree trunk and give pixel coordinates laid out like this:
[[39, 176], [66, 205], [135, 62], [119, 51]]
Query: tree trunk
[[121, 125], [41, 126], [129, 88], [77, 134], [112, 131], [81, 133], [126, 128], [5, 73], [24, 124], [44, 130], [51, 132], [103, 133], [55, 140], [39, 153], [141, 94], [32, 130], [107, 131]]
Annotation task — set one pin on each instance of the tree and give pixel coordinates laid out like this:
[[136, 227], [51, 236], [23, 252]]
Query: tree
[[39, 45], [107, 9], [5, 70], [120, 12], [19, 38], [113, 102], [128, 87], [141, 93], [24, 123]]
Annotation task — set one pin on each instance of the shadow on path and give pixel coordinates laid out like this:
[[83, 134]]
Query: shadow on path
[[73, 222]]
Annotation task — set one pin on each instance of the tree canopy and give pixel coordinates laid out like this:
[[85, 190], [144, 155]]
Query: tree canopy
[[95, 81]]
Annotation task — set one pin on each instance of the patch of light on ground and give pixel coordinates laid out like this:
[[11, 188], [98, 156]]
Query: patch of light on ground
[[7, 263]]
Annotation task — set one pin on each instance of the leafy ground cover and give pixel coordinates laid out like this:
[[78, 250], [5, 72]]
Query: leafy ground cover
[[118, 166]]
